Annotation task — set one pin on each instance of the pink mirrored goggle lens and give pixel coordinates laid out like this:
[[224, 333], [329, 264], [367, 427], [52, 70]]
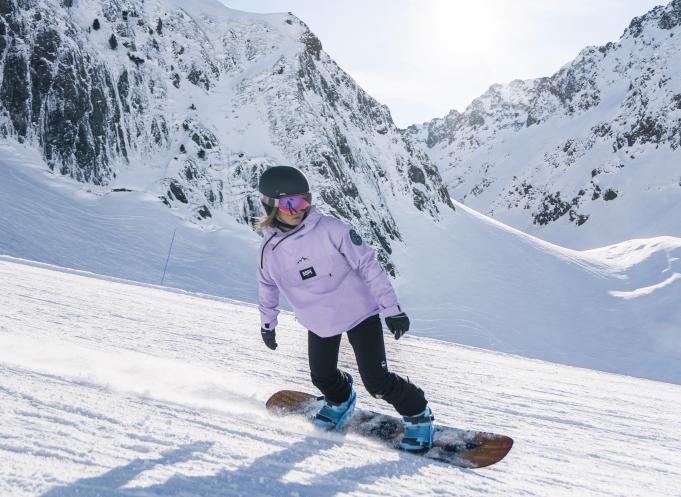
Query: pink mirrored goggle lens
[[292, 204]]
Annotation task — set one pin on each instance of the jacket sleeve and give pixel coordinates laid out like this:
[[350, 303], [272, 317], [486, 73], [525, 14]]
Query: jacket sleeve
[[268, 298], [362, 259]]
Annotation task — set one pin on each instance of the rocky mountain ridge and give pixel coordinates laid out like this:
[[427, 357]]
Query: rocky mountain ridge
[[192, 101], [586, 157]]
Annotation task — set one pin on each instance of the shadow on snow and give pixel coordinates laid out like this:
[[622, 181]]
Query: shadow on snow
[[262, 477]]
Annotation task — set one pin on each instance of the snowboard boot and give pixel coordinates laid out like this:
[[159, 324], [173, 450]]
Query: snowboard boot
[[418, 431], [333, 416]]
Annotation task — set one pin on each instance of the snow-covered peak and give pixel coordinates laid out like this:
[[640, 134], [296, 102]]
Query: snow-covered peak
[[586, 157], [191, 101]]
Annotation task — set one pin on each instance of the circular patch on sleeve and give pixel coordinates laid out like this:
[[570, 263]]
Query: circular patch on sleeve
[[354, 236]]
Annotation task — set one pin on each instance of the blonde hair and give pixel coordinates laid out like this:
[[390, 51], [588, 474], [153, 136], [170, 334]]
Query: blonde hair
[[267, 220]]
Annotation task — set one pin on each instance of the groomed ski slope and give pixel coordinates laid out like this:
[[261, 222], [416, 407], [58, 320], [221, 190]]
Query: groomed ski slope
[[116, 389]]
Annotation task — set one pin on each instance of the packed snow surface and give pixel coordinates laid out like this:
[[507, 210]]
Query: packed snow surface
[[115, 389]]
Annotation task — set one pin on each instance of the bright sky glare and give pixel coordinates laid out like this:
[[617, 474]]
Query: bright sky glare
[[423, 58]]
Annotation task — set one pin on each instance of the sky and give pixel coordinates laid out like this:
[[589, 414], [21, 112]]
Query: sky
[[423, 58]]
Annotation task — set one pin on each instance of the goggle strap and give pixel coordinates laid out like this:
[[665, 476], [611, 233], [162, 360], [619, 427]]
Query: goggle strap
[[274, 202]]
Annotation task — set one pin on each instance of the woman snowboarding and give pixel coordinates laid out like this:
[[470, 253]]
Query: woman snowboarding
[[335, 285]]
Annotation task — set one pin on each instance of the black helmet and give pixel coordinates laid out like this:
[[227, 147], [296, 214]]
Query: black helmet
[[278, 181]]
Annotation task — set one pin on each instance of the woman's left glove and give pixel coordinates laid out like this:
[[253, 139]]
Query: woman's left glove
[[398, 324], [269, 337]]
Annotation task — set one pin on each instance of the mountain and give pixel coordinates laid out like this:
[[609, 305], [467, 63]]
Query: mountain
[[191, 101], [165, 396], [584, 158], [163, 197], [465, 278]]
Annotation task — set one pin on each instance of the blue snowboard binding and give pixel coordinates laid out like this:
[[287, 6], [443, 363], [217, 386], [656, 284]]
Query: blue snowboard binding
[[418, 431], [332, 417]]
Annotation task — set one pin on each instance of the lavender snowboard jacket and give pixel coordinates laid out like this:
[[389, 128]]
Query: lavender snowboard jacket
[[328, 274]]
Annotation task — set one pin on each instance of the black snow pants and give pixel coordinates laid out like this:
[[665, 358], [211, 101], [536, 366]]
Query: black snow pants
[[367, 341]]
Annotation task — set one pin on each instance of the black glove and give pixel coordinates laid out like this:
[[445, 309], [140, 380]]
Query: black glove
[[398, 324], [269, 337]]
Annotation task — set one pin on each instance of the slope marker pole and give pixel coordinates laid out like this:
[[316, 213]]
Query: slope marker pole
[[168, 258]]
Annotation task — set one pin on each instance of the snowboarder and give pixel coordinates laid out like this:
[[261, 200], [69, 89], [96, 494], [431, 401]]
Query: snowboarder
[[335, 285]]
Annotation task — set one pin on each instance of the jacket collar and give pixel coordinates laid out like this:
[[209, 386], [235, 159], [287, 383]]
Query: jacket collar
[[271, 232]]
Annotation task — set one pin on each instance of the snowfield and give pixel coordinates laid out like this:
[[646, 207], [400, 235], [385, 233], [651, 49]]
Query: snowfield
[[109, 388], [466, 279]]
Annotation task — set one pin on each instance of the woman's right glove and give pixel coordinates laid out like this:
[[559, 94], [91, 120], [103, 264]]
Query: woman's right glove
[[398, 324], [269, 337]]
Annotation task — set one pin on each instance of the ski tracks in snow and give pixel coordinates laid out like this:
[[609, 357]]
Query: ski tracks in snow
[[114, 389]]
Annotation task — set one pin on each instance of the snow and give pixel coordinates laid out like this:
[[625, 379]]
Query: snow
[[122, 234], [648, 290], [114, 388], [540, 154], [111, 384], [465, 278]]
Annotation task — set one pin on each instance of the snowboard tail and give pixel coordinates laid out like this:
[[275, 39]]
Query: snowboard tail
[[462, 448]]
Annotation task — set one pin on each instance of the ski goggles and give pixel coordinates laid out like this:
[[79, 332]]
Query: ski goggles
[[289, 204]]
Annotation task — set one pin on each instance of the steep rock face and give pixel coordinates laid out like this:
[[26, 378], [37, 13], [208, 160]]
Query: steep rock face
[[192, 101], [585, 157]]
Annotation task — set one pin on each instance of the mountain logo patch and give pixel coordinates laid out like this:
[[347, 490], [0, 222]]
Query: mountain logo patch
[[356, 239], [307, 273]]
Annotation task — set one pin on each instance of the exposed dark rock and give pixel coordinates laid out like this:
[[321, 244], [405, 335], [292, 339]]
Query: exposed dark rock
[[609, 194], [312, 44], [198, 78], [175, 191], [15, 91], [190, 172], [578, 219], [636, 26], [204, 212], [95, 24], [596, 193], [602, 129], [671, 18], [159, 130], [43, 58], [476, 118], [137, 60], [646, 130], [553, 207], [113, 42], [676, 99], [417, 175]]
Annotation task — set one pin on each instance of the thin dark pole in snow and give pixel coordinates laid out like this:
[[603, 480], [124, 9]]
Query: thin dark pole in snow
[[168, 258]]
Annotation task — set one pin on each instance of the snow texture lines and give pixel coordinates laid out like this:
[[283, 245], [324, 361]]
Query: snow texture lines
[[123, 390]]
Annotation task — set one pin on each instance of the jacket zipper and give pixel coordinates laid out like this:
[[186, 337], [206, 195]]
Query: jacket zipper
[[262, 252], [291, 233]]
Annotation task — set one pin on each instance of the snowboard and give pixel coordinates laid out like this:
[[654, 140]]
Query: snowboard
[[461, 448]]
